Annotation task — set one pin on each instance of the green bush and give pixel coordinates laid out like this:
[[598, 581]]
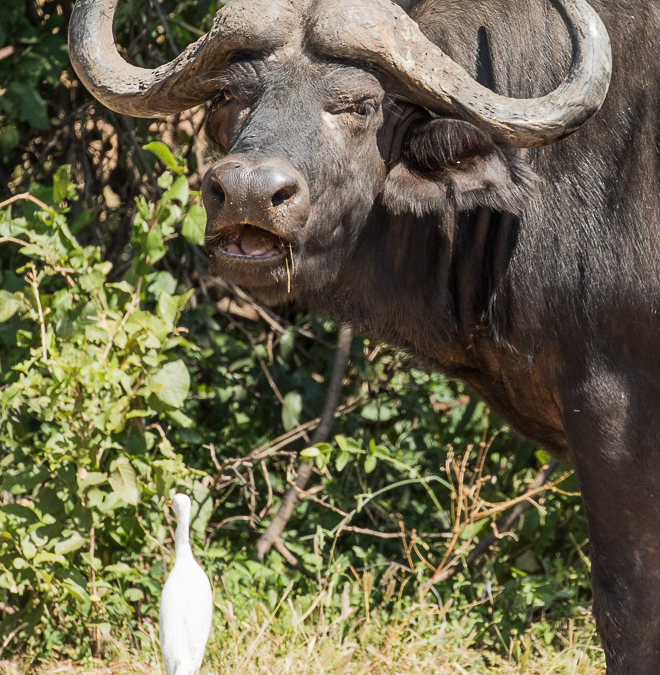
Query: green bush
[[89, 373]]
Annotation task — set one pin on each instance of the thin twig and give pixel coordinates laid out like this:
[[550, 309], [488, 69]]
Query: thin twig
[[135, 301], [527, 497], [26, 196], [290, 499], [262, 629], [13, 240], [163, 19], [187, 26], [374, 533], [522, 503], [6, 52], [34, 283], [273, 320], [274, 447]]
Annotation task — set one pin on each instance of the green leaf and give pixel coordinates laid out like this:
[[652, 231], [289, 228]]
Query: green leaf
[[370, 463], [71, 543], [291, 409], [76, 590], [194, 225], [543, 457], [179, 190], [62, 184], [24, 479], [528, 562], [91, 478], [9, 139], [147, 322], [156, 248], [83, 219], [9, 305], [287, 343], [29, 549], [180, 419], [202, 508], [318, 450], [165, 180], [310, 453], [122, 285], [134, 594], [169, 306], [376, 412], [348, 444], [472, 529], [165, 155], [171, 383], [161, 281], [124, 480], [30, 105], [45, 556], [343, 459]]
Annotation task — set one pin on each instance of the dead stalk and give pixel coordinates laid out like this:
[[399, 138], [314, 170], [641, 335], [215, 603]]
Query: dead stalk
[[288, 275], [95, 633], [26, 197], [135, 301], [34, 283]]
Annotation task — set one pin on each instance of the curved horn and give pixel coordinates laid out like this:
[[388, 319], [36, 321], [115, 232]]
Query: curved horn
[[183, 83], [379, 32]]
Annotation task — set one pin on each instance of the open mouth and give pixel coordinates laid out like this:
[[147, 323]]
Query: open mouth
[[249, 241]]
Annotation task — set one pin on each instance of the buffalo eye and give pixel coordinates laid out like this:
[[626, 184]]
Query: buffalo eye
[[362, 109], [224, 96]]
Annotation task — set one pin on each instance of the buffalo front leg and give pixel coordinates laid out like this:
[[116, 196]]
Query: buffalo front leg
[[614, 432]]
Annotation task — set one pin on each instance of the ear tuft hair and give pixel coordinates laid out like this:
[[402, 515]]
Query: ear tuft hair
[[449, 163]]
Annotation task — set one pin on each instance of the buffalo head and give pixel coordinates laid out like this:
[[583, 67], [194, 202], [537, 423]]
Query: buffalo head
[[327, 110]]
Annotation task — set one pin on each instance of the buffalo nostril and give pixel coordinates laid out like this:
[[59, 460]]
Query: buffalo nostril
[[283, 195], [219, 192]]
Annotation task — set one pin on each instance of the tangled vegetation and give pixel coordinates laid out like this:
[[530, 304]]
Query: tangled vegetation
[[125, 373]]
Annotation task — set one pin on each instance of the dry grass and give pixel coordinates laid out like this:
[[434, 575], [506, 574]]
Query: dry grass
[[298, 638], [416, 654], [417, 643]]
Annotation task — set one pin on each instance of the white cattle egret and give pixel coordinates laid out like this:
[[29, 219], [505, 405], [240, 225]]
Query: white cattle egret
[[186, 604]]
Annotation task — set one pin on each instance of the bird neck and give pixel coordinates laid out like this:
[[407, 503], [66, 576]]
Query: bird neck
[[182, 540]]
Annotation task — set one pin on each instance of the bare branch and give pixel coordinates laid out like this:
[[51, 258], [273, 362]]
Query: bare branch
[[288, 504], [163, 19], [505, 524]]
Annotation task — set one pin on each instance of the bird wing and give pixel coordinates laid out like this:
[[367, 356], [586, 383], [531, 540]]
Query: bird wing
[[199, 628], [186, 609]]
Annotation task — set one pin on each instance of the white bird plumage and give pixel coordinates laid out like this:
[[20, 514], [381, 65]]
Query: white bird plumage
[[186, 605]]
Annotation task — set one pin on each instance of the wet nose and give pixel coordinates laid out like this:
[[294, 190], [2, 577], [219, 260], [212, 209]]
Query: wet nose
[[268, 185], [268, 192]]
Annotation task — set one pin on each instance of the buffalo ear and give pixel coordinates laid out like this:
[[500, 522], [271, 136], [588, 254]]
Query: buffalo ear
[[451, 163]]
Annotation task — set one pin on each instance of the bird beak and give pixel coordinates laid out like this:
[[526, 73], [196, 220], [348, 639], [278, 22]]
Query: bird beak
[[168, 502]]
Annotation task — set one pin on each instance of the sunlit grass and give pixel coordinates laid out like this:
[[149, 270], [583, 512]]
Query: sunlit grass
[[416, 639]]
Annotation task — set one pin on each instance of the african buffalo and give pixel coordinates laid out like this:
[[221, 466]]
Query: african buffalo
[[405, 171]]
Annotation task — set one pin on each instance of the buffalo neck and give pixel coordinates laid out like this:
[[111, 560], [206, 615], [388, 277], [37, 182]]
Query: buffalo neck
[[438, 289], [420, 282]]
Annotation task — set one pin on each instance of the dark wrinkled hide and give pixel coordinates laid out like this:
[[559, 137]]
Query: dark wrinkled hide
[[532, 275]]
